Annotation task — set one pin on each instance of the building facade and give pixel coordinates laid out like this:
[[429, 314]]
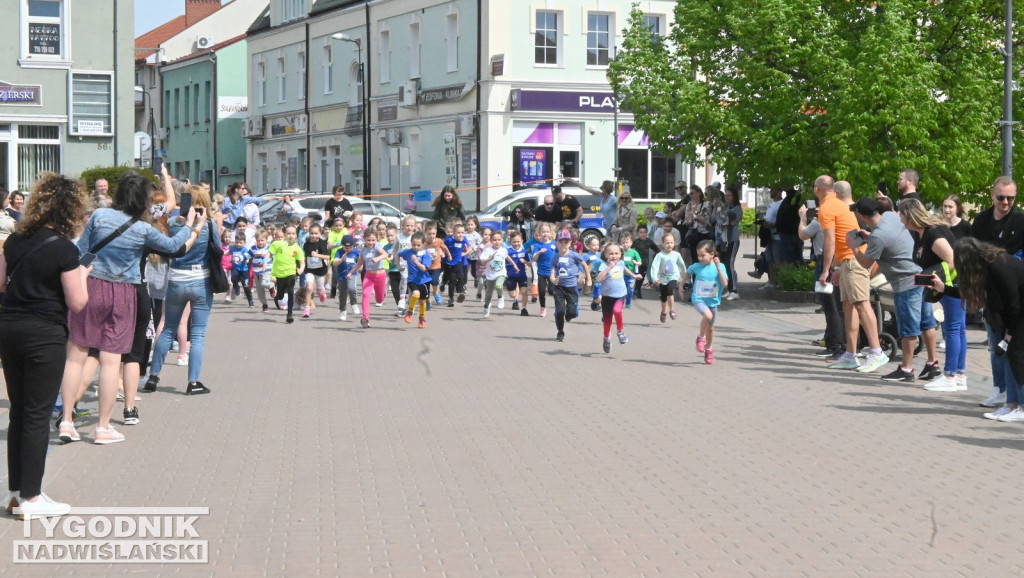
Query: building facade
[[205, 106], [62, 91], [483, 96]]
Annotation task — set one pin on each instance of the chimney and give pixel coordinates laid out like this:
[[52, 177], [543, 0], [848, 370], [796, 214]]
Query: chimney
[[196, 10]]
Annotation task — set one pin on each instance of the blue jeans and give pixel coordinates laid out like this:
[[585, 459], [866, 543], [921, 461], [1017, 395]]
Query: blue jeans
[[913, 313], [1002, 375], [200, 295], [954, 325]]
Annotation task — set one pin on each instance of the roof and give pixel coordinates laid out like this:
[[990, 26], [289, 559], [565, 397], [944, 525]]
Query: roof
[[326, 5], [213, 48], [146, 45], [262, 22]]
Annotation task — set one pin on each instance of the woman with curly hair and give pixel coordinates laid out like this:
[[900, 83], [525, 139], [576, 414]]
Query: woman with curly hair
[[447, 208], [41, 280], [117, 237]]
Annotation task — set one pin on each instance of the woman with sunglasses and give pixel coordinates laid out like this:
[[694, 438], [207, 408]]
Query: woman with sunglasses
[[625, 216]]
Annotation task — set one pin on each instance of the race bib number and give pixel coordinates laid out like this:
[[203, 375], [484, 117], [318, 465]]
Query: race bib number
[[706, 289], [314, 262]]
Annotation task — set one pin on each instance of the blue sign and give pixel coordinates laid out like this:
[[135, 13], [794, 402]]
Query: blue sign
[[532, 163], [422, 196]]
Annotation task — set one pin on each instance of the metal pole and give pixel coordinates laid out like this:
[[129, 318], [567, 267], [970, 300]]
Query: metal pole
[[1008, 93], [366, 140], [615, 135]]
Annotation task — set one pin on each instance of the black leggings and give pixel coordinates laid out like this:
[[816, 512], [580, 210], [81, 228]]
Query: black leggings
[[455, 278], [566, 304], [395, 281], [34, 351], [543, 282], [286, 286]]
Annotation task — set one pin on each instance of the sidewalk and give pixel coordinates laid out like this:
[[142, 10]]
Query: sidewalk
[[481, 447]]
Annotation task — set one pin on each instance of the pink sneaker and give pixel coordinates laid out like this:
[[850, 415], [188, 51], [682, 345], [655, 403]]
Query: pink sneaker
[[709, 356], [323, 297], [701, 341], [543, 311]]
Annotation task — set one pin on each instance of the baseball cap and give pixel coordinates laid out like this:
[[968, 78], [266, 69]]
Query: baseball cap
[[348, 240], [866, 206], [660, 215], [564, 235]]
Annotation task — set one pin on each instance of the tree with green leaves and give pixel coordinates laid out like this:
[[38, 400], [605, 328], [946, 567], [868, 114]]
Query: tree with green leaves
[[780, 91]]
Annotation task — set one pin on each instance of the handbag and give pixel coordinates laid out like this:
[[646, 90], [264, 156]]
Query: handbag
[[214, 254]]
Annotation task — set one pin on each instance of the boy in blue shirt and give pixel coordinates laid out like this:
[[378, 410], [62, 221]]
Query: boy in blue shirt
[[452, 267], [543, 251], [418, 264], [241, 257], [348, 285], [564, 270], [515, 271]]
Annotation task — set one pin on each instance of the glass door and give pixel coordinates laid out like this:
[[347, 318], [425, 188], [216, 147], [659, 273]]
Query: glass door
[[569, 163], [5, 171]]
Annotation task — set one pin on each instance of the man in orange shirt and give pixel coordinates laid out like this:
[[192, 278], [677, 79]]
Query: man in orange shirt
[[854, 280]]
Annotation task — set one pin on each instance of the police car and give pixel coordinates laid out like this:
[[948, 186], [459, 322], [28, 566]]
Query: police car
[[591, 225]]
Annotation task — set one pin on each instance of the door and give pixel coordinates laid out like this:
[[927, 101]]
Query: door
[[569, 163], [5, 175]]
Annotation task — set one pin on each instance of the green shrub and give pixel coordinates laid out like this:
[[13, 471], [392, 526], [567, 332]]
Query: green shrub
[[112, 174], [791, 277], [747, 223]]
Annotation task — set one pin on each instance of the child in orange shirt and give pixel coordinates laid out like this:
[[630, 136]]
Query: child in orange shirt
[[436, 248]]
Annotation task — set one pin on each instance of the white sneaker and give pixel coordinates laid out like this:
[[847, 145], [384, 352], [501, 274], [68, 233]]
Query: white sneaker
[[174, 345], [381, 304], [941, 345], [227, 299], [732, 296], [183, 359], [944, 383], [1014, 415], [961, 380], [401, 303], [487, 311], [995, 400], [343, 316], [997, 413], [501, 302], [873, 362], [43, 507], [357, 310]]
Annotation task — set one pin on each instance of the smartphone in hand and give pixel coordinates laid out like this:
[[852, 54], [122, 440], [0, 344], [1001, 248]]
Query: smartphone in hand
[[158, 165], [186, 204], [923, 280]]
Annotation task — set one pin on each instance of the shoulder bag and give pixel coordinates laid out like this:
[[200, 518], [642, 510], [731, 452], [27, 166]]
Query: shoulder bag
[[214, 254]]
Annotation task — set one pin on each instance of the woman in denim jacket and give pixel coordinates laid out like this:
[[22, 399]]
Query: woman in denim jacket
[[107, 322], [189, 284]]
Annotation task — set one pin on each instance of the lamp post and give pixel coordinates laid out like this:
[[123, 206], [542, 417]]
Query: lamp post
[[365, 109]]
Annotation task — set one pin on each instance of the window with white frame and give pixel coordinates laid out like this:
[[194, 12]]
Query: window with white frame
[[414, 50], [385, 56], [264, 174], [545, 49], [599, 28], [92, 104], [355, 87], [302, 74], [282, 77], [451, 36], [261, 83], [328, 69], [321, 154], [282, 170], [44, 30], [38, 152], [152, 76], [289, 10], [336, 161], [653, 23]]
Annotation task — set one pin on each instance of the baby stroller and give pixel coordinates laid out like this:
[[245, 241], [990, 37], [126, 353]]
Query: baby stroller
[[885, 312]]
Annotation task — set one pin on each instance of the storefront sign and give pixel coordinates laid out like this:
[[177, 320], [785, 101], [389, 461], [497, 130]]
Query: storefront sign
[[232, 107], [20, 93], [569, 101], [498, 65], [532, 163], [444, 94], [285, 125], [87, 127], [44, 39], [387, 113]]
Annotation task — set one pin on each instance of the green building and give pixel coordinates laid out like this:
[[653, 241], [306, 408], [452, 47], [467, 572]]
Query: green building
[[204, 107], [64, 87]]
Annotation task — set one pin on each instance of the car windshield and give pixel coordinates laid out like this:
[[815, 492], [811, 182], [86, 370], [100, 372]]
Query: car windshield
[[387, 210], [497, 206], [316, 203]]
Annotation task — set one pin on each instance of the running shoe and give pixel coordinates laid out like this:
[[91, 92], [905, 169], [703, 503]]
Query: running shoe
[[501, 302], [422, 323], [1013, 416], [437, 298], [131, 416], [993, 415], [930, 371], [709, 356], [543, 311], [845, 364], [701, 343], [873, 362], [107, 435], [196, 388], [515, 305], [672, 314], [560, 336], [364, 322], [408, 317], [899, 375], [997, 398], [461, 297], [183, 359], [622, 337], [607, 345], [68, 433], [944, 383]]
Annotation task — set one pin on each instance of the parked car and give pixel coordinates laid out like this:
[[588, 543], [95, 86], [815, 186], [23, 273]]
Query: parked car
[[304, 205], [496, 215]]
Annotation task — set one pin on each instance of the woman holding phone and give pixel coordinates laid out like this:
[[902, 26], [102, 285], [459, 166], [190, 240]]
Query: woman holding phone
[[117, 237], [189, 285], [46, 281]]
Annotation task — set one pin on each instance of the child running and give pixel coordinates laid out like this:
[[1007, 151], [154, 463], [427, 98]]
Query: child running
[[317, 255], [437, 250], [645, 247], [518, 265], [375, 278], [493, 258], [665, 273], [612, 278], [633, 261], [477, 242], [593, 259], [454, 271], [241, 259], [288, 261], [543, 252], [709, 281], [417, 260], [345, 263], [565, 268], [404, 240], [261, 262]]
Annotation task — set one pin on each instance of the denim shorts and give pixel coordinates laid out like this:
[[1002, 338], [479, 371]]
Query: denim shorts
[[913, 313]]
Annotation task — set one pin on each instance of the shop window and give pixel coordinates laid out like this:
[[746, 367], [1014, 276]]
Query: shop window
[[91, 104], [546, 36], [599, 28], [633, 170], [38, 152]]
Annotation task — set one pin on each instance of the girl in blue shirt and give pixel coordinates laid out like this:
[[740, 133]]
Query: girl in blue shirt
[[709, 281], [612, 278]]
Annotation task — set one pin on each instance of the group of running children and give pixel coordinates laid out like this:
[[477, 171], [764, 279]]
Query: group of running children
[[298, 263]]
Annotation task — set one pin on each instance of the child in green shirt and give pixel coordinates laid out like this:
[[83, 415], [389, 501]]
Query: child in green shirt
[[289, 261], [632, 260]]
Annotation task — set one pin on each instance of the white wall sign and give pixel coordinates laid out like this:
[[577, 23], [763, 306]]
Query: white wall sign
[[232, 107], [86, 127]]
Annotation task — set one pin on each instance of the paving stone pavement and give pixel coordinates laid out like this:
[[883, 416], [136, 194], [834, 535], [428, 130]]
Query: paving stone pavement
[[481, 447]]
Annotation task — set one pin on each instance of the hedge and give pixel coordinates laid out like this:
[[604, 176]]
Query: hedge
[[112, 174]]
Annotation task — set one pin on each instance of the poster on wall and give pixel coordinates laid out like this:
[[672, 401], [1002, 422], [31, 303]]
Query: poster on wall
[[451, 168], [468, 163], [532, 165]]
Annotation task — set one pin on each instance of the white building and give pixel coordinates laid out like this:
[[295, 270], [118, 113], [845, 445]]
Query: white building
[[476, 94]]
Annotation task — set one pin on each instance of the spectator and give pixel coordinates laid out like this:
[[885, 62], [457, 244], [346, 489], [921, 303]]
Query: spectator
[[606, 203], [447, 207], [547, 213], [953, 212], [810, 229], [566, 205], [8, 223], [33, 330], [100, 198], [906, 184], [17, 202], [727, 238], [698, 222], [787, 225], [625, 216], [337, 204], [234, 204]]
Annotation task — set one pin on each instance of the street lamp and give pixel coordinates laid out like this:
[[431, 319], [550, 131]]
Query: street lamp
[[365, 110]]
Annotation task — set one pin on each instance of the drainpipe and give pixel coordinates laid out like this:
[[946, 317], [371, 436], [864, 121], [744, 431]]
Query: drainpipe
[[309, 124], [114, 91], [479, 114], [367, 75], [216, 120]]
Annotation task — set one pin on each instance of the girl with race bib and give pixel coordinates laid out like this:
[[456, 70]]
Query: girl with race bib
[[709, 281], [612, 279], [493, 258]]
